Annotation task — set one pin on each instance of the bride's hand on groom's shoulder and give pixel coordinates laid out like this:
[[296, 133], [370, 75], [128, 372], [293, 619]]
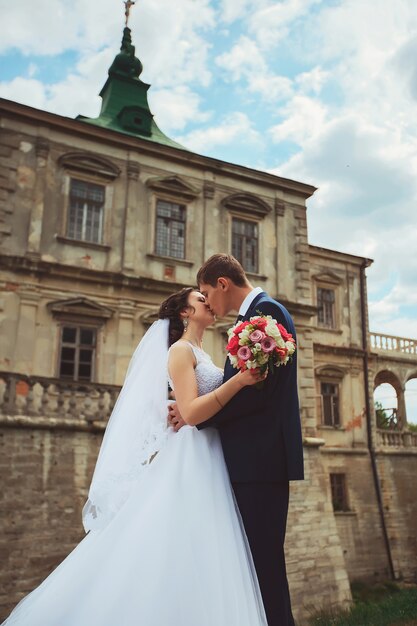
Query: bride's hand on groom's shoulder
[[174, 417]]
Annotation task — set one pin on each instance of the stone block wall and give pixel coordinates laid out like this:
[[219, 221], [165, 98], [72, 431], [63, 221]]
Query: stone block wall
[[45, 476], [316, 568], [398, 472], [359, 529]]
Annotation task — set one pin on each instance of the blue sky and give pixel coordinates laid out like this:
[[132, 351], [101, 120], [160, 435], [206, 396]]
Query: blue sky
[[322, 91]]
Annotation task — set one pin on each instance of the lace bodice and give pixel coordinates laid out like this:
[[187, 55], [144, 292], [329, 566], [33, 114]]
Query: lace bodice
[[208, 376]]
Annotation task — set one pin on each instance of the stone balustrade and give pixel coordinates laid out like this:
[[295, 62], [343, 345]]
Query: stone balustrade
[[391, 343], [41, 397], [387, 438]]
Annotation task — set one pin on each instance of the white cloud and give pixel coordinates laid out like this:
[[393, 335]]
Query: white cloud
[[245, 61], [271, 24], [337, 81], [177, 55], [304, 118], [75, 26], [174, 108], [19, 88], [312, 81], [235, 128]]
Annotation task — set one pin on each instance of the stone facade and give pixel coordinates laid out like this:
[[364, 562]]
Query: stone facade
[[51, 428]]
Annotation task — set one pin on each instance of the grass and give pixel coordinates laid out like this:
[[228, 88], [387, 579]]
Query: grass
[[385, 604]]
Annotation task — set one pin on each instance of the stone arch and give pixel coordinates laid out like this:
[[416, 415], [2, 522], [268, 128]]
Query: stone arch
[[399, 415], [410, 395]]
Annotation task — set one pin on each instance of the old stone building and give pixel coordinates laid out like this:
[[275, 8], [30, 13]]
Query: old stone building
[[100, 219]]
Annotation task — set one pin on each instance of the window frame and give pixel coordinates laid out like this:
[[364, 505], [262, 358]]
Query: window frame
[[101, 184], [246, 218], [93, 168], [337, 385], [173, 201], [345, 507], [333, 290], [78, 326]]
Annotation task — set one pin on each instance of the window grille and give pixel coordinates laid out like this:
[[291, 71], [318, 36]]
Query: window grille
[[330, 404], [86, 210], [245, 244], [326, 307], [77, 355], [170, 229]]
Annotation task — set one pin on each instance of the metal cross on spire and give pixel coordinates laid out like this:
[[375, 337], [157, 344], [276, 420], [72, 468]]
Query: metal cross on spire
[[128, 4]]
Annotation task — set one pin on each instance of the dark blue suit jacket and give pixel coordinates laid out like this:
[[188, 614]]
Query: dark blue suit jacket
[[260, 429]]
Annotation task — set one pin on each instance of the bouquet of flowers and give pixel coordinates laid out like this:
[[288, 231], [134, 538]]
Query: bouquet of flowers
[[259, 343]]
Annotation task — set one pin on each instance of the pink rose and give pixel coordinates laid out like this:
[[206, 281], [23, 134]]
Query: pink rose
[[244, 353], [268, 344], [257, 336]]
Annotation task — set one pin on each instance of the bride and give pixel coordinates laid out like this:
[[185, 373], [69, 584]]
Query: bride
[[165, 543]]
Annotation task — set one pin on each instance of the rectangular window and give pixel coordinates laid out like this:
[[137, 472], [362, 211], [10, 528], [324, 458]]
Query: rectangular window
[[339, 492], [330, 404], [326, 305], [86, 210], [245, 243], [170, 229], [77, 353]]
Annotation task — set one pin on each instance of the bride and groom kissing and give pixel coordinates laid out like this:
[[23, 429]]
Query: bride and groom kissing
[[187, 522]]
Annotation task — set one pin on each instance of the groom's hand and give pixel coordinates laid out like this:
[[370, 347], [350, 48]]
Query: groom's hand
[[174, 417]]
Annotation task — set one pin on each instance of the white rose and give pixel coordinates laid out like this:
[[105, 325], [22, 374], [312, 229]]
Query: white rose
[[244, 337]]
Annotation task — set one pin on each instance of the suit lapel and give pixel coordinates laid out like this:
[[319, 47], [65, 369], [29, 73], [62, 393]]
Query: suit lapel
[[252, 308]]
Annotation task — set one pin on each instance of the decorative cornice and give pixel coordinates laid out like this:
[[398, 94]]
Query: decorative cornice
[[25, 265], [327, 277], [173, 186], [108, 137], [82, 307], [246, 203], [327, 253], [330, 371], [88, 163]]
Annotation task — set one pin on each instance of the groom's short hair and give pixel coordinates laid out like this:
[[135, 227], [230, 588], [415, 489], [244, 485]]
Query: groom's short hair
[[222, 265]]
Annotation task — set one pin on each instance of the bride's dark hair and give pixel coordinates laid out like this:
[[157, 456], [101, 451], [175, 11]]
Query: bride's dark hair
[[171, 309]]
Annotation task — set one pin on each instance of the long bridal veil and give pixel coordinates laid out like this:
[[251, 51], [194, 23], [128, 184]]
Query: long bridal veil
[[136, 430]]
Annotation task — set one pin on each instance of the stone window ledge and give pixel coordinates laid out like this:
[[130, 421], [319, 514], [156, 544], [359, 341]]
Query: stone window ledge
[[84, 244], [327, 427], [335, 331], [170, 259]]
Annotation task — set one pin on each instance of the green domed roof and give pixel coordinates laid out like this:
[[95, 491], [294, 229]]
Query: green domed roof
[[125, 63], [125, 107]]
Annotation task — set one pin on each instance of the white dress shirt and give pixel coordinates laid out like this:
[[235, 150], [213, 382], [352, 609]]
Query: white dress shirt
[[244, 307]]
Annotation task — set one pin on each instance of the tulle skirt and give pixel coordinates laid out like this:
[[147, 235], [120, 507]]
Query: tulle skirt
[[176, 554]]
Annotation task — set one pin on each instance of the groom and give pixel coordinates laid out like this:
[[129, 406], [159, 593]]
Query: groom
[[260, 432]]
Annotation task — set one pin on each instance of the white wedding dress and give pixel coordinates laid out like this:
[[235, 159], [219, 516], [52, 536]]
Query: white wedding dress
[[176, 553]]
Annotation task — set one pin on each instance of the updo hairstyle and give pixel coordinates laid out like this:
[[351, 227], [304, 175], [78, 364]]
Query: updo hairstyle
[[171, 309]]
